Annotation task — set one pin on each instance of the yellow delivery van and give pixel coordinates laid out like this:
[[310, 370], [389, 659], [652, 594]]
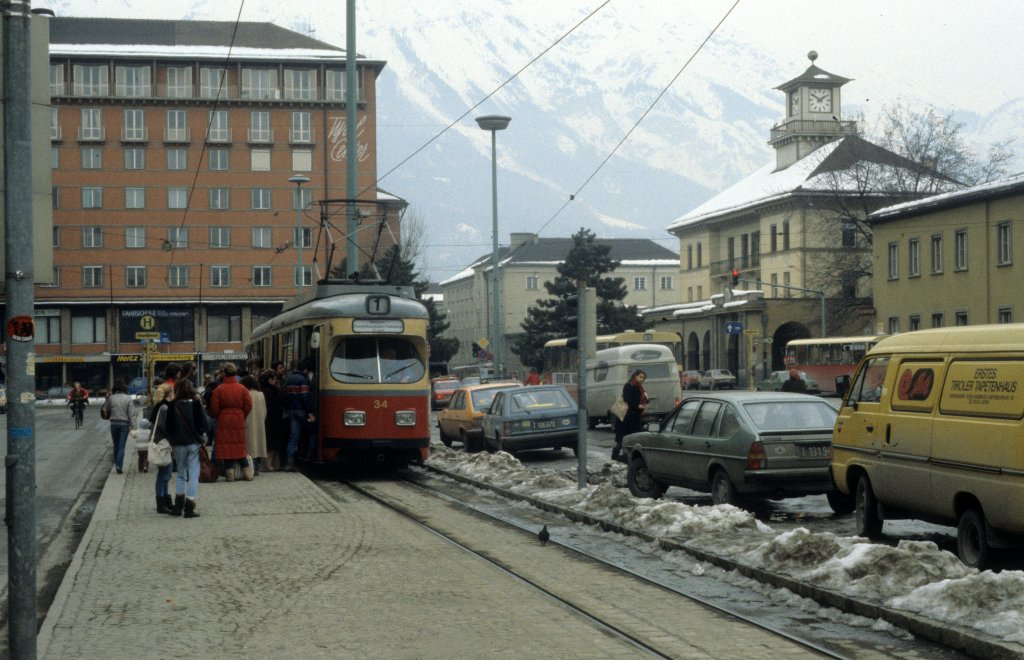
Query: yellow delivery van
[[932, 428]]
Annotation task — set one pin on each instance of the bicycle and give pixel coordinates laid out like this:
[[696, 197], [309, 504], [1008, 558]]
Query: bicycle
[[77, 412]]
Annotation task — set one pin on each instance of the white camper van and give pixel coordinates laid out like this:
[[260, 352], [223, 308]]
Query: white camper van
[[611, 369]]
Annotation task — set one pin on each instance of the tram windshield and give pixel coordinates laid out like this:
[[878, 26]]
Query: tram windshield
[[376, 360]]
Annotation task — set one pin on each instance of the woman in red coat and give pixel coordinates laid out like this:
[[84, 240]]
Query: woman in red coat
[[230, 404]]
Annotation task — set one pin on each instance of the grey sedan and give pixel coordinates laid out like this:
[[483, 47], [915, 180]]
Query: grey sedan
[[735, 444], [535, 417]]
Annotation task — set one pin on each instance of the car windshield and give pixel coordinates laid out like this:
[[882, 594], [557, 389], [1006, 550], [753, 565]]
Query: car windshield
[[791, 415], [446, 385], [537, 400]]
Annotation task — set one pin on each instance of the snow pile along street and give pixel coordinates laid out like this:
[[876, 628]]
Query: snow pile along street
[[915, 576]]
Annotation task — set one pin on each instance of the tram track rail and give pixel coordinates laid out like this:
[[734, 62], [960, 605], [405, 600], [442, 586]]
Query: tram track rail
[[373, 491]]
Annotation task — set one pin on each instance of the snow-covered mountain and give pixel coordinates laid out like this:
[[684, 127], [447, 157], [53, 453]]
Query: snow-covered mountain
[[599, 67]]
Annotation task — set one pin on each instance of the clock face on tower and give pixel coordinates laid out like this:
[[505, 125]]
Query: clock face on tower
[[820, 100], [794, 103]]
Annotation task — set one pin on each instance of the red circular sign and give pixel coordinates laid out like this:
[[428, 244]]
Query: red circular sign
[[21, 328]]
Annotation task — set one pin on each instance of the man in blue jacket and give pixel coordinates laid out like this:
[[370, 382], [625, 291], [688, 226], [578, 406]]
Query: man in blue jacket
[[298, 395]]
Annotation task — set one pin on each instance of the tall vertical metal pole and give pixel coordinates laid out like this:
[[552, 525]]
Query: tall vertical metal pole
[[495, 123], [586, 340], [298, 180], [19, 279], [351, 140], [495, 261]]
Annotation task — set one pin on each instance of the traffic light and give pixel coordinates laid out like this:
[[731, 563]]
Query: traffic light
[[735, 277], [476, 349]]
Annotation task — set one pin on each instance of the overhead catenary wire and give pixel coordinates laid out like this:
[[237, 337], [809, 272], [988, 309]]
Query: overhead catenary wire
[[611, 153], [664, 90]]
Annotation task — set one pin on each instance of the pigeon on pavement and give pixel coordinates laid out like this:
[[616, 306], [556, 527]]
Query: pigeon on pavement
[[544, 535]]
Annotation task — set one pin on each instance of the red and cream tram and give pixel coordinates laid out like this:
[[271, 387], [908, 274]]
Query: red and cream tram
[[368, 345]]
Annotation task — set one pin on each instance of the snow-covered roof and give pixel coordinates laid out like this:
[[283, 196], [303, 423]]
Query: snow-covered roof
[[824, 170], [764, 185], [193, 52], [1011, 186]]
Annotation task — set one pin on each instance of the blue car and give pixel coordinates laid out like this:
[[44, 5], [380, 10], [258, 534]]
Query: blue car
[[139, 385], [535, 417]]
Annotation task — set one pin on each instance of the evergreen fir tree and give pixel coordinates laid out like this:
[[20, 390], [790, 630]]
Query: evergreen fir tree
[[550, 318]]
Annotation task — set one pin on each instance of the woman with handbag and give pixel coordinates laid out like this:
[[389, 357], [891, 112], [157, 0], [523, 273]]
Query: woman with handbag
[[636, 399], [118, 409], [186, 423], [162, 397]]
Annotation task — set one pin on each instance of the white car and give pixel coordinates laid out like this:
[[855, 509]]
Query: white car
[[717, 379]]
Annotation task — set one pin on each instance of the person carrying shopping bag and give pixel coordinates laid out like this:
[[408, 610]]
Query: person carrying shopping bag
[[186, 424]]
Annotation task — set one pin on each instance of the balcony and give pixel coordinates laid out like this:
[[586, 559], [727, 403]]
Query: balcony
[[91, 134], [261, 136], [749, 267], [219, 136], [301, 136], [134, 135], [812, 127], [177, 136]]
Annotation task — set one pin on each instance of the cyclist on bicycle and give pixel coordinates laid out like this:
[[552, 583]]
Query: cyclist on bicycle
[[78, 398]]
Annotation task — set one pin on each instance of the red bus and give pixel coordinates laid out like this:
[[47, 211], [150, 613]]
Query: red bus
[[828, 358]]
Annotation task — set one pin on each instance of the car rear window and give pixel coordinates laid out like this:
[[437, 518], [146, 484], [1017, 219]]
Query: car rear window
[[482, 398], [791, 415], [653, 369], [532, 400]]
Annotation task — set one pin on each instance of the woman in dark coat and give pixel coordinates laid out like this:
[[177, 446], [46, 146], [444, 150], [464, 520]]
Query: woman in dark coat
[[636, 399], [186, 424], [230, 404], [277, 428]]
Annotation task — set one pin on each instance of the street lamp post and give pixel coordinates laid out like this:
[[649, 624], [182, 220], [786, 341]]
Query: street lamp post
[[494, 123], [298, 180]]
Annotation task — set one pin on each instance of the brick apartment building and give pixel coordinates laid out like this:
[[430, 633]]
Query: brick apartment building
[[172, 145]]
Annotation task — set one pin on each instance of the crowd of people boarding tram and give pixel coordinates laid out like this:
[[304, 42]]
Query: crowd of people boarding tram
[[248, 424]]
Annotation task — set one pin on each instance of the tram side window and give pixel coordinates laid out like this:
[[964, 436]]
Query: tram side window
[[376, 360]]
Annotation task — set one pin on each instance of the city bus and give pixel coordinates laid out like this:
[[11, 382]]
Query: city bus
[[561, 364], [828, 358]]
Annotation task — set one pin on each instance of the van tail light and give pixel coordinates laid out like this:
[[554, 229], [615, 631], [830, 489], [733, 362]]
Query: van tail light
[[756, 458], [677, 401]]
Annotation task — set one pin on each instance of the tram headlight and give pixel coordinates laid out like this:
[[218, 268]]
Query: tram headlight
[[405, 418], [355, 418]]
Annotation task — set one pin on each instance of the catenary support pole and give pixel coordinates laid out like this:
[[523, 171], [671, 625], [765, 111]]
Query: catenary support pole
[[351, 140], [19, 279]]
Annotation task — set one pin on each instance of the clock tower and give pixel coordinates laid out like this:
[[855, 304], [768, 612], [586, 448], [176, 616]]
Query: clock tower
[[813, 115]]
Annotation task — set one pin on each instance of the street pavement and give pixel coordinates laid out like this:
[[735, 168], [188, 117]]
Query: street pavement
[[277, 568]]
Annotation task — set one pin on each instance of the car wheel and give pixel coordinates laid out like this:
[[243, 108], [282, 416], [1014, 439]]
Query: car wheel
[[839, 502], [467, 444], [971, 539], [492, 448], [445, 440], [868, 523], [641, 482], [722, 490], [592, 422]]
